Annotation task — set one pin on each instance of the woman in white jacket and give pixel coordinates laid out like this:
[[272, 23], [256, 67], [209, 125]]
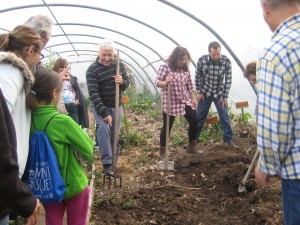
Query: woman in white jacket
[[20, 50]]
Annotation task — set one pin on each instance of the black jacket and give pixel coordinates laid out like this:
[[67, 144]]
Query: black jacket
[[82, 108], [14, 194]]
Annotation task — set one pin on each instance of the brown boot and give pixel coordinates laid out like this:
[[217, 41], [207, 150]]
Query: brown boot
[[191, 148], [162, 153]]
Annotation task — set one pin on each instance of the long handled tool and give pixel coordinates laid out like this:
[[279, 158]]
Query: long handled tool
[[242, 185], [167, 165], [116, 136]]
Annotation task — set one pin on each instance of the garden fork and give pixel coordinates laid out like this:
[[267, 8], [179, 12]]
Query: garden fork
[[114, 176]]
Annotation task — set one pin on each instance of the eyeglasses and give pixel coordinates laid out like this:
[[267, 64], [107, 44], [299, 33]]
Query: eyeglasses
[[41, 56]]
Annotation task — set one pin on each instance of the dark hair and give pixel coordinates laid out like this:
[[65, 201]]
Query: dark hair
[[215, 45], [46, 82], [21, 37], [177, 53], [250, 69], [59, 63]]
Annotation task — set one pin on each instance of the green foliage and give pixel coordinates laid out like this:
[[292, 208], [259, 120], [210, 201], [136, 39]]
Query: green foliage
[[150, 104], [177, 141], [90, 162], [112, 199], [148, 134], [154, 114], [87, 102], [100, 203], [128, 202], [241, 119], [136, 139], [211, 132], [19, 221], [141, 160], [143, 101], [50, 61]]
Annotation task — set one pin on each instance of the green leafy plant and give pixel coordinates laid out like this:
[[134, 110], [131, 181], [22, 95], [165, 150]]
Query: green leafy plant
[[136, 139], [112, 199], [128, 202], [100, 203], [141, 160], [18, 221], [49, 62]]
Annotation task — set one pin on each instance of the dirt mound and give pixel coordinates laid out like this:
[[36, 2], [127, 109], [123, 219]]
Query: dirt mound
[[201, 190]]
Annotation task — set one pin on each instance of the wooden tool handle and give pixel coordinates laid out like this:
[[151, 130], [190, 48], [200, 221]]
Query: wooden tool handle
[[117, 98], [167, 126]]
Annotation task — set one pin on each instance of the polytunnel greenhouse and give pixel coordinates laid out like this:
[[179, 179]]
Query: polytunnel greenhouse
[[146, 32], [183, 188]]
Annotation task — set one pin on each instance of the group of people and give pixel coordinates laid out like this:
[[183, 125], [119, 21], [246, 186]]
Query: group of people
[[213, 81], [29, 93], [275, 73], [275, 78]]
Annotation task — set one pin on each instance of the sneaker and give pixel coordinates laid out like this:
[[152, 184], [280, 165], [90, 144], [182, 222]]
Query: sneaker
[[107, 169]]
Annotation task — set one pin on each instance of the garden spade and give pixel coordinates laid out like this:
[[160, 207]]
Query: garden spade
[[116, 137], [242, 185], [167, 165]]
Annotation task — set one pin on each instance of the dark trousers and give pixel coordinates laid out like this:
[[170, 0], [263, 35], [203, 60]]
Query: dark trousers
[[190, 116], [73, 112]]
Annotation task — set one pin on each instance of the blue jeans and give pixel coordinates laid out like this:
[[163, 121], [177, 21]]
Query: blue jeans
[[4, 220], [73, 112], [291, 201], [105, 135], [202, 112]]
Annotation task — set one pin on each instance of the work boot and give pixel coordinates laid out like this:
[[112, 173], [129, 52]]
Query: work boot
[[162, 153], [191, 148], [107, 169], [230, 145]]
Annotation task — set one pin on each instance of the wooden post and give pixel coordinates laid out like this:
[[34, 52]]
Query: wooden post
[[242, 105]]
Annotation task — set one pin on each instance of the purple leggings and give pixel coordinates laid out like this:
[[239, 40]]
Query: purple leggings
[[76, 207]]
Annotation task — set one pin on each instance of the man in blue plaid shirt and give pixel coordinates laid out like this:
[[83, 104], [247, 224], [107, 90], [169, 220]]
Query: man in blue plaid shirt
[[278, 119], [213, 82]]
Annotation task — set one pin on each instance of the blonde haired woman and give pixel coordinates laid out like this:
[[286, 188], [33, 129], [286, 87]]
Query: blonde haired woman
[[20, 50]]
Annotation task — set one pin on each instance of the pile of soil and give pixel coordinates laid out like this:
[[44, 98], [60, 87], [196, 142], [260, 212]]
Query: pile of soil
[[202, 190]]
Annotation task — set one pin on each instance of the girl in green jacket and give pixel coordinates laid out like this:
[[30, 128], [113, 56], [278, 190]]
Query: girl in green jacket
[[66, 137]]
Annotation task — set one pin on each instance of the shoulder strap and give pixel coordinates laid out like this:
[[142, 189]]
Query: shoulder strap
[[46, 124], [49, 121]]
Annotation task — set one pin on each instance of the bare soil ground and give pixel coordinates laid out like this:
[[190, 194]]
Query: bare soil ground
[[202, 190]]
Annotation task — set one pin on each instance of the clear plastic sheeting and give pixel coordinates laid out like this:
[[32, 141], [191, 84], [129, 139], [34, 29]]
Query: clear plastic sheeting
[[146, 31]]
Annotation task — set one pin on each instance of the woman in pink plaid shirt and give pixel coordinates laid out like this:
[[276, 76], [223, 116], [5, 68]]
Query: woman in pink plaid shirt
[[182, 102]]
